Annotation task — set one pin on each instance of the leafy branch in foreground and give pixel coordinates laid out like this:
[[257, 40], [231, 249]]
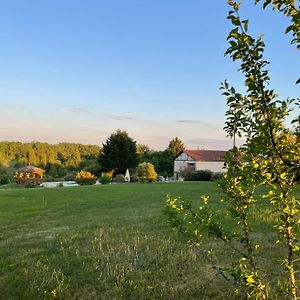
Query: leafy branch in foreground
[[270, 157]]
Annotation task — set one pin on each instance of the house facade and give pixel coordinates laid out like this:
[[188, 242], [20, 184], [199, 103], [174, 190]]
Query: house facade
[[200, 160]]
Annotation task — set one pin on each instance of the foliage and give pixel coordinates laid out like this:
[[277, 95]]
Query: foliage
[[145, 172], [202, 175], [176, 146], [105, 179], [6, 175], [186, 173], [85, 178], [5, 179], [217, 176], [270, 157], [134, 178], [55, 159], [190, 175], [290, 10], [120, 178], [163, 161], [70, 176], [119, 153], [142, 149]]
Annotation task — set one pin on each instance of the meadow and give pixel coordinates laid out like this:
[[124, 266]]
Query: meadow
[[113, 242]]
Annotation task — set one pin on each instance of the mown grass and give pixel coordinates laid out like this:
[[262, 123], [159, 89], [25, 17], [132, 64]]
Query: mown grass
[[112, 242]]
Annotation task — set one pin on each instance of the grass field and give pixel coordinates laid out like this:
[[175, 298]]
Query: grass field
[[112, 242]]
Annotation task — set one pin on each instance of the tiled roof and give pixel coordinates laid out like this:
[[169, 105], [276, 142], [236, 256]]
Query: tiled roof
[[206, 155]]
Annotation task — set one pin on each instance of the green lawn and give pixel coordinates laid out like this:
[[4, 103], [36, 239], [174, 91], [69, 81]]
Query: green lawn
[[111, 242]]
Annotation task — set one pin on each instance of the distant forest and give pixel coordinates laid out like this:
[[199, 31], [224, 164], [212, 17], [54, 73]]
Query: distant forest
[[62, 161], [58, 160]]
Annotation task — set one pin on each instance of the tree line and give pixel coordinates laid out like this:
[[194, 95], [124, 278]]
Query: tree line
[[64, 160]]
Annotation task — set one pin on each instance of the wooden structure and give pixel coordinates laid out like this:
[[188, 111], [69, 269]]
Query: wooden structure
[[29, 176]]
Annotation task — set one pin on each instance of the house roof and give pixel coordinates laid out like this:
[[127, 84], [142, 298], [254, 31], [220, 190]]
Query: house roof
[[31, 169], [206, 155]]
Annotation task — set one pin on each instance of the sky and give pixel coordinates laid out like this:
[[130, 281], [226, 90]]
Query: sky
[[78, 70]]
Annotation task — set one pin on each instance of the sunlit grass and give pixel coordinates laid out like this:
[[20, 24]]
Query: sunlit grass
[[112, 242]]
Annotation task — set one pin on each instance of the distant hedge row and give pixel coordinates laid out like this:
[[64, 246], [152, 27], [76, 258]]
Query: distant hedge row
[[202, 175]]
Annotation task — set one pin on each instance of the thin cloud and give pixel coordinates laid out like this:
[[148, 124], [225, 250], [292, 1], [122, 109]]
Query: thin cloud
[[191, 122], [80, 110], [210, 144], [196, 122], [122, 118]]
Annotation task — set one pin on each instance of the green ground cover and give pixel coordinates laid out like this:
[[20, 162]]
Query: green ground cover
[[112, 242]]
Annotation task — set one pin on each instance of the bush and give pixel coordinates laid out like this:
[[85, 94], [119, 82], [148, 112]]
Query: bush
[[85, 178], [120, 178], [134, 178], [105, 179], [70, 176], [201, 175], [161, 178], [5, 179], [164, 174], [186, 173], [145, 172], [217, 176]]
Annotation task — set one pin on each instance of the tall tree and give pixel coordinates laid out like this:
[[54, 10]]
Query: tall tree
[[176, 146], [142, 149], [119, 153]]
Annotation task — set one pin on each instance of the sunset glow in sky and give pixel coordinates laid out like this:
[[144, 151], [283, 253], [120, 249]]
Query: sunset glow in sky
[[75, 71]]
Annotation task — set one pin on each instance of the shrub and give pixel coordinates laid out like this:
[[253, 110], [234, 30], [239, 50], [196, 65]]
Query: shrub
[[186, 173], [164, 174], [5, 179], [120, 178], [217, 176], [161, 178], [70, 176], [85, 178], [202, 175], [105, 179], [145, 172], [134, 178]]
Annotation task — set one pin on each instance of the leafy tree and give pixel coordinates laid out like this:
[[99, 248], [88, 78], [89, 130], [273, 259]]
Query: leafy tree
[[163, 161], [270, 157], [176, 146], [119, 153], [145, 172], [142, 149]]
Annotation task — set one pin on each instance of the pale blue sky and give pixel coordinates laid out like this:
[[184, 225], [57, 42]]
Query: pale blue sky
[[74, 70]]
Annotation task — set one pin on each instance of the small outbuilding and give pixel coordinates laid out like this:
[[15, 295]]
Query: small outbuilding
[[30, 176], [198, 160]]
